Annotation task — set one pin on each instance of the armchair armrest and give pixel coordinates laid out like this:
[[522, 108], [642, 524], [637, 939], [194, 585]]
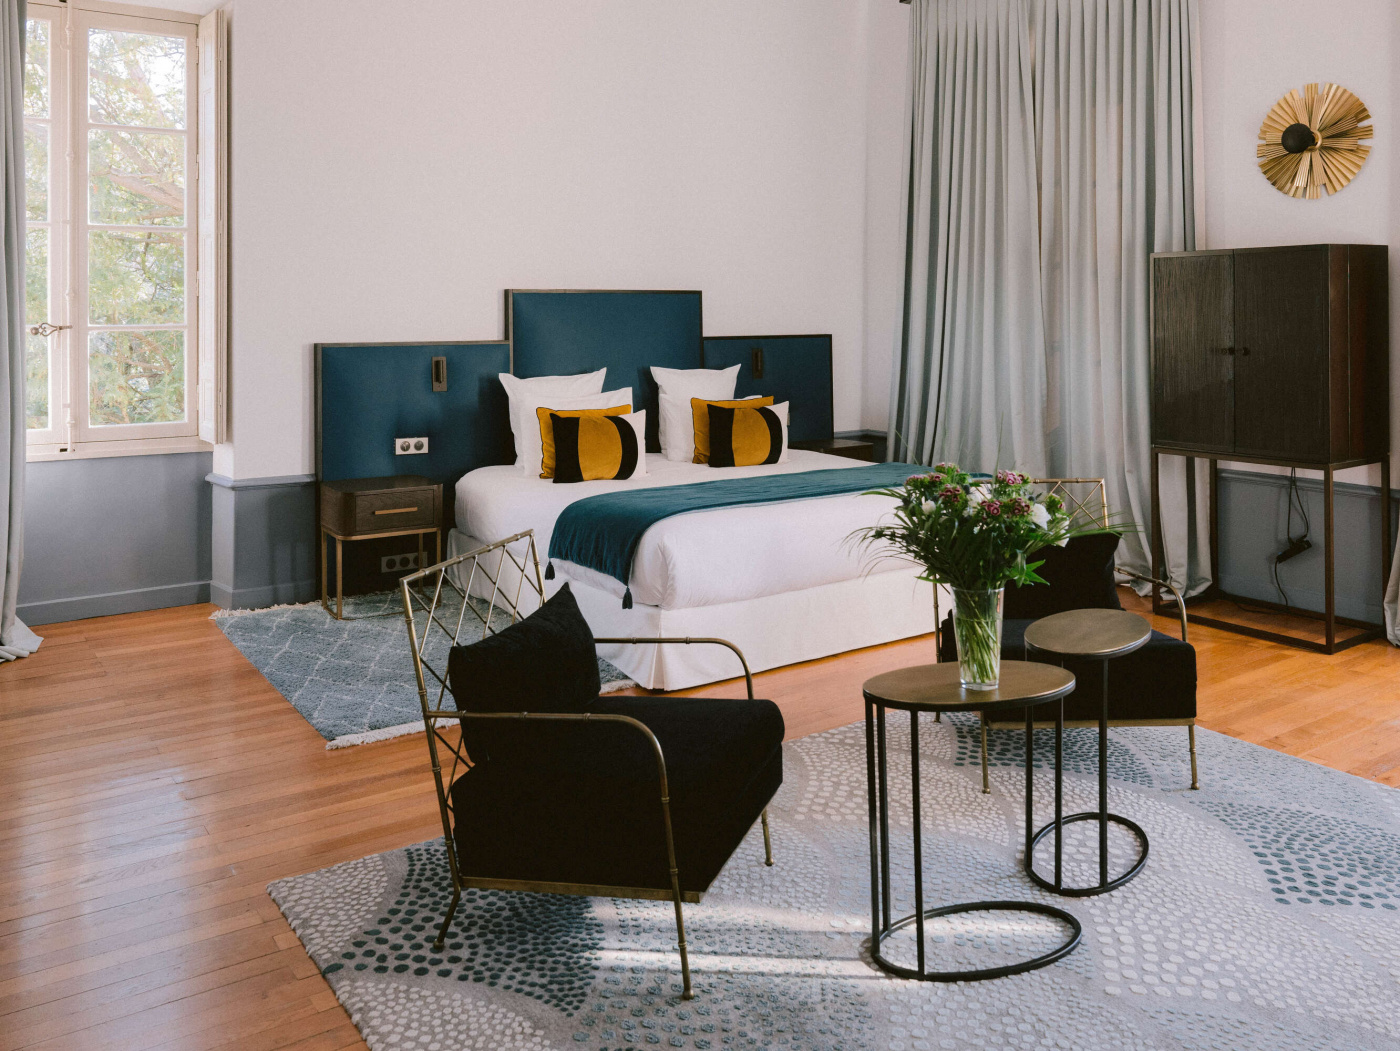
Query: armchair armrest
[[748, 676], [1180, 602]]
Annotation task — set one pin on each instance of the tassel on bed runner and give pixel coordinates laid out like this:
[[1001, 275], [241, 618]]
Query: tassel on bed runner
[[549, 571], [627, 599]]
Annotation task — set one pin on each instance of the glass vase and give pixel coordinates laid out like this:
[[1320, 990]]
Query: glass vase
[[977, 628]]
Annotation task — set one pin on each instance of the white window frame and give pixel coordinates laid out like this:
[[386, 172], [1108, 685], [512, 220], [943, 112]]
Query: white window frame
[[70, 435]]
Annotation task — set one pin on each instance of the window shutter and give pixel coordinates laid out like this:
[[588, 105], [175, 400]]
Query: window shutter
[[213, 227]]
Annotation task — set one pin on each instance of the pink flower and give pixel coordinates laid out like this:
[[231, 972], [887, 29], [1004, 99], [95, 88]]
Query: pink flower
[[1020, 506], [950, 492], [936, 479], [992, 507], [1010, 477]]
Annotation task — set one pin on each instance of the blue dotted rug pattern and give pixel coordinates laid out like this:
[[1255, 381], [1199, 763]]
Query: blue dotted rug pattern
[[1266, 919], [351, 677]]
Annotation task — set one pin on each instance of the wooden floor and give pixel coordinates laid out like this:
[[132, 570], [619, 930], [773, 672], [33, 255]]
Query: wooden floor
[[153, 783]]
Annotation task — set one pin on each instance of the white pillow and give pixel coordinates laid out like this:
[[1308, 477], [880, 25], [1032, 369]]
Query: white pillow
[[676, 425], [522, 421], [531, 447], [638, 420], [781, 411]]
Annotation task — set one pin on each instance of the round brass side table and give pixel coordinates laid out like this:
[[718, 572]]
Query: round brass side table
[[935, 688], [1101, 635]]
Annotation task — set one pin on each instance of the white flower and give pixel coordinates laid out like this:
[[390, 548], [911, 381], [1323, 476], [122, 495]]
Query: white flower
[[928, 506], [1040, 515], [1062, 541]]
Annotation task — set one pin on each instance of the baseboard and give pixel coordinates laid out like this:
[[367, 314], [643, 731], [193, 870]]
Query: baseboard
[[137, 600], [260, 597]]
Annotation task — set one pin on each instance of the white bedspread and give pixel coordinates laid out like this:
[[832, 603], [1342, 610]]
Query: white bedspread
[[701, 558]]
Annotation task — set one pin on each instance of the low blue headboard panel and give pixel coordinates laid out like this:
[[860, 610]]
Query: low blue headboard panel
[[368, 394], [558, 333], [796, 369]]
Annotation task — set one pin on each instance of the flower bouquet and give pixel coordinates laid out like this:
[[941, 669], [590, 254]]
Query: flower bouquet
[[976, 534]]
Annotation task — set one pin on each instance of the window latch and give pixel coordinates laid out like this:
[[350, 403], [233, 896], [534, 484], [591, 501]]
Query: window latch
[[45, 329]]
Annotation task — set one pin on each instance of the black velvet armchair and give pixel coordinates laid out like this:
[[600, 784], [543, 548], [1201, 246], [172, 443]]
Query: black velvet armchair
[[552, 788], [1155, 686]]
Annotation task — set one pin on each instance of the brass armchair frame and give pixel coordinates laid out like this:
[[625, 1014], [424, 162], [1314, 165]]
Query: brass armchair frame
[[1092, 503], [423, 592]]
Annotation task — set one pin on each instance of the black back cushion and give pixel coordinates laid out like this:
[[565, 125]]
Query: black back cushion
[[1077, 576], [544, 663]]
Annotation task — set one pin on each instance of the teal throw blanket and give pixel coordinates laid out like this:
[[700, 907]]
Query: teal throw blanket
[[603, 532]]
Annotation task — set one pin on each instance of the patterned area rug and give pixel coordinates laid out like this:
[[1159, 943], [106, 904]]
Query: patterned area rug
[[1266, 918], [352, 679]]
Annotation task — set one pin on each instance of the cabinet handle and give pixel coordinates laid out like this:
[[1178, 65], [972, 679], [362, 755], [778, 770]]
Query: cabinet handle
[[396, 510]]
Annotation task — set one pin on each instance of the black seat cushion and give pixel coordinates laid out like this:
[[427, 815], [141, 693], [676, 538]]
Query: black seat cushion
[[1157, 681], [1077, 576], [579, 802], [544, 663]]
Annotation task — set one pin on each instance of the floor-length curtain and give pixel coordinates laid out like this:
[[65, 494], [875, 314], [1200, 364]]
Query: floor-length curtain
[[1052, 150], [1115, 124], [969, 377], [15, 639]]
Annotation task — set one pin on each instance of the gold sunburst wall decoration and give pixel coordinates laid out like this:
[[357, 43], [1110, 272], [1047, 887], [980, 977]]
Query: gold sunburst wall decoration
[[1312, 141]]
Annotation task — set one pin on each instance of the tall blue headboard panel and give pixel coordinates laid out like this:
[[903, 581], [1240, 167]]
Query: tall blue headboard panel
[[368, 394], [795, 369], [556, 333]]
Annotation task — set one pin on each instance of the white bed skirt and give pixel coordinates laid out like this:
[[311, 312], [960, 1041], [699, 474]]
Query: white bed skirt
[[772, 631]]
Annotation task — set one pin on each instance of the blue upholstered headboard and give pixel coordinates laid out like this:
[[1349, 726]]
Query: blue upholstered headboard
[[795, 369], [561, 332], [368, 394]]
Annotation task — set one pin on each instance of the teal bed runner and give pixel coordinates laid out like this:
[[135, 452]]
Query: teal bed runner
[[602, 532]]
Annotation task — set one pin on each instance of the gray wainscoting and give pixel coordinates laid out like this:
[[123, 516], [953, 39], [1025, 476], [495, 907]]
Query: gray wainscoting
[[1253, 517], [263, 544], [115, 535]]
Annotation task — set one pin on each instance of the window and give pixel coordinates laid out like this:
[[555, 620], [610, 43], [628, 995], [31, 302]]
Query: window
[[112, 250]]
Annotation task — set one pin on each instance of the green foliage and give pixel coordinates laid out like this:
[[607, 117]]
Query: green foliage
[[36, 305], [36, 68], [136, 377], [973, 532]]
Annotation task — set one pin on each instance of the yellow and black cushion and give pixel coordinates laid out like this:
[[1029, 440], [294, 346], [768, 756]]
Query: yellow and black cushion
[[699, 409], [743, 437], [546, 417], [592, 447]]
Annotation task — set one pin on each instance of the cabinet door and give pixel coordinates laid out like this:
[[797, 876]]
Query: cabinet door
[[1281, 354], [1193, 402]]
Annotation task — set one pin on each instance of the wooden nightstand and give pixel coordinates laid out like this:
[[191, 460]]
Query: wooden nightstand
[[853, 448], [365, 508]]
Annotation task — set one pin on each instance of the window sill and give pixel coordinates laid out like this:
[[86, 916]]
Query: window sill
[[102, 450]]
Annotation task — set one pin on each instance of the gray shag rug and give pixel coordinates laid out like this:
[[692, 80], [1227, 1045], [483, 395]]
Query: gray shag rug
[[1266, 918], [353, 679]]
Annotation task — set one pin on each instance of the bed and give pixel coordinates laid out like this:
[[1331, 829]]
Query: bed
[[783, 580]]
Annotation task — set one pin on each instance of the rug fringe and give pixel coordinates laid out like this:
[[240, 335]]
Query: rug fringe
[[615, 685], [384, 733]]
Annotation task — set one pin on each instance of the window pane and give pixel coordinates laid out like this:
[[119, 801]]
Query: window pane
[[36, 170], [136, 78], [136, 178], [136, 377], [36, 308], [136, 278], [36, 68]]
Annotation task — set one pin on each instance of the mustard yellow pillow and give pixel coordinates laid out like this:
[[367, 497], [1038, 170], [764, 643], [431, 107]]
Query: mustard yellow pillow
[[591, 446], [699, 408], [744, 437], [547, 429]]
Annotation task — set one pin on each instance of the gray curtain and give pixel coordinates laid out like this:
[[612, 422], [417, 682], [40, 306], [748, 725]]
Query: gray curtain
[[15, 639], [1026, 317]]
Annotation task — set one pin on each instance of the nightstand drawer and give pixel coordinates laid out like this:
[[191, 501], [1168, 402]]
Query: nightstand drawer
[[401, 509]]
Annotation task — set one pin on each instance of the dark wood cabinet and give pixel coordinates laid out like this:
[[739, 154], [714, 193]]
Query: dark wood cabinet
[[1272, 354]]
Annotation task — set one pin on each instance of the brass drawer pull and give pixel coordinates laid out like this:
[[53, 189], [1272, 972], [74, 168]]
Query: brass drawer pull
[[396, 511]]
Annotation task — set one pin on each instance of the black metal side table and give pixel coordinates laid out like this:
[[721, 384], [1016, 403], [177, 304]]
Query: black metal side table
[[1089, 634], [935, 688]]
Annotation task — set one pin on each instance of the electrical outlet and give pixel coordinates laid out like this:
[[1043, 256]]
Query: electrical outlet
[[398, 563], [410, 446]]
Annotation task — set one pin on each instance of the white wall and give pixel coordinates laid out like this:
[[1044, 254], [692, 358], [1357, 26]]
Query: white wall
[[1252, 53], [396, 166]]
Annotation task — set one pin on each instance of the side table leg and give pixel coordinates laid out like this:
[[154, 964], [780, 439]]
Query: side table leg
[[884, 781], [1059, 792], [918, 836], [325, 584], [1103, 781], [1030, 782], [872, 790], [339, 582]]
